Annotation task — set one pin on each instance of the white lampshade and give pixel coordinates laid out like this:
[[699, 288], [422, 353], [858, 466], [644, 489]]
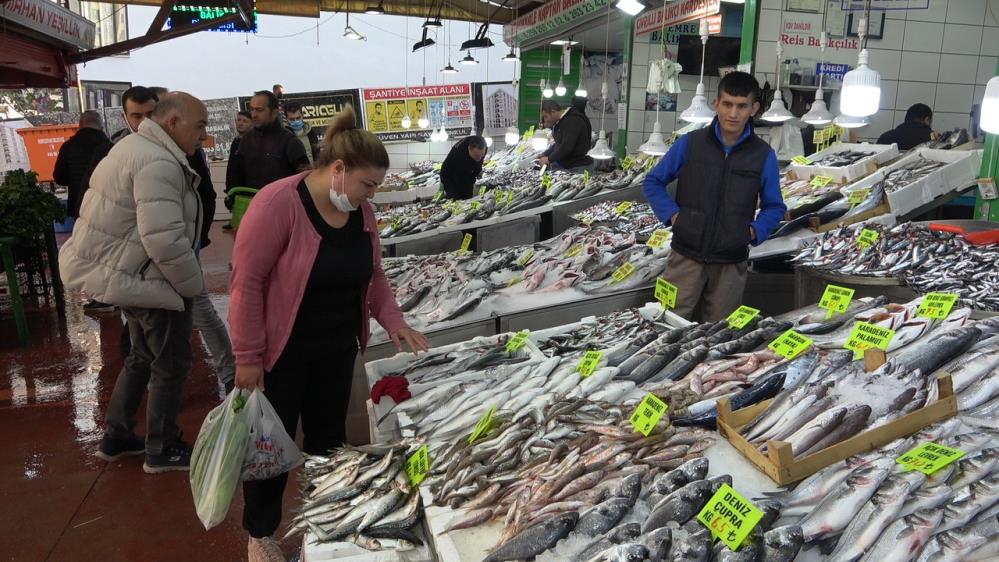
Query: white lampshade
[[512, 136], [443, 134], [861, 93], [851, 121], [655, 146], [547, 92], [560, 89], [407, 121], [539, 141], [631, 7], [423, 122], [581, 92], [699, 110], [601, 151], [818, 114], [989, 121], [489, 141], [777, 113]]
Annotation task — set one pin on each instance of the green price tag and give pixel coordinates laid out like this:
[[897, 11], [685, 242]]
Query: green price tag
[[623, 208], [438, 166], [438, 196], [623, 272], [790, 344], [819, 137], [820, 181], [589, 363], [936, 305], [627, 163], [574, 251], [857, 197], [929, 458], [475, 205], [666, 293], [466, 243], [396, 222], [529, 134], [658, 238], [546, 181], [648, 413], [649, 164], [742, 317], [418, 466], [484, 426], [836, 300], [586, 177], [490, 164], [517, 341], [483, 190], [868, 237], [729, 516], [801, 160], [526, 258], [866, 336]]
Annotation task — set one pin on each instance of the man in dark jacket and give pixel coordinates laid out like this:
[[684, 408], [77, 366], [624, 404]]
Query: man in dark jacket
[[244, 124], [462, 167], [72, 166], [306, 133], [724, 172], [917, 129], [572, 132], [269, 152]]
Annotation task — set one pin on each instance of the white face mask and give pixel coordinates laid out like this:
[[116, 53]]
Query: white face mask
[[340, 200]]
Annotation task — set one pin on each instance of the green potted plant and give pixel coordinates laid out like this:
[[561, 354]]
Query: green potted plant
[[26, 210]]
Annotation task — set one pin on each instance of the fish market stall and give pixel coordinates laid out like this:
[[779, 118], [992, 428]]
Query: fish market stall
[[844, 162]]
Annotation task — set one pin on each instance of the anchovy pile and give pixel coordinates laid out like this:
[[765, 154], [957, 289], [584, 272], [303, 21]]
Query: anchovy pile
[[419, 175], [637, 218], [842, 159], [925, 260], [359, 495], [900, 176]]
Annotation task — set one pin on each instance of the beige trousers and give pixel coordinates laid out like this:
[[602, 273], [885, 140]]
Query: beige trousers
[[717, 288]]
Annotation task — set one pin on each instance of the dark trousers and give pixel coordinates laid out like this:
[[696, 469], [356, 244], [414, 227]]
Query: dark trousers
[[717, 288], [314, 382], [160, 360]]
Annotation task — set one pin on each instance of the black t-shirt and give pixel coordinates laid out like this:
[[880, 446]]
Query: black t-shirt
[[331, 305]]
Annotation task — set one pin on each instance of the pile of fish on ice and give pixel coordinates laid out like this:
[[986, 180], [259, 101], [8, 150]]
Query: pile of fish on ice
[[440, 288], [419, 175], [925, 260], [625, 216]]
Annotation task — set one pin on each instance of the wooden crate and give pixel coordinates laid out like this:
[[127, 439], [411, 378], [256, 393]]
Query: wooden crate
[[781, 466], [881, 209]]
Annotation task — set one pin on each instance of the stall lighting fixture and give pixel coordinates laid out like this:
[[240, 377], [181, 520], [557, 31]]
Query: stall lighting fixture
[[469, 59], [407, 121], [512, 136], [480, 41], [489, 141], [989, 118], [581, 92], [560, 89], [819, 114], [539, 141], [425, 42], [861, 93], [375, 10], [511, 56], [699, 110], [546, 90], [655, 146], [449, 69], [631, 7], [423, 122], [601, 151], [564, 42], [851, 122], [351, 33], [436, 22], [778, 112], [443, 136]]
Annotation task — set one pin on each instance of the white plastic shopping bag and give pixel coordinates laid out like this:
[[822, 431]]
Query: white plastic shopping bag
[[217, 458], [270, 451]]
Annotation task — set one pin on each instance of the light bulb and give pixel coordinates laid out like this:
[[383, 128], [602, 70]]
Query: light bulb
[[560, 89], [407, 122], [443, 136], [469, 59], [539, 141], [861, 92], [655, 146], [581, 92], [631, 7], [512, 136], [989, 121], [423, 122], [489, 141]]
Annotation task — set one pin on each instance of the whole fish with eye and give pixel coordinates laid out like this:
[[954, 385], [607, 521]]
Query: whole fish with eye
[[842, 158], [898, 177]]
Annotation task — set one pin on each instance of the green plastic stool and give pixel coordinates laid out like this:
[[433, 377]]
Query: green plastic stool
[[7, 251], [241, 197]]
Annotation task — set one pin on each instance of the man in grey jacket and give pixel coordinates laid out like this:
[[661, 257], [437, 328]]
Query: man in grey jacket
[[134, 246]]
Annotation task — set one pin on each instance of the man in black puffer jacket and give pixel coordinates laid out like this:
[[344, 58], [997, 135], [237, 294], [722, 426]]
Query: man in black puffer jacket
[[572, 132], [267, 153], [72, 166]]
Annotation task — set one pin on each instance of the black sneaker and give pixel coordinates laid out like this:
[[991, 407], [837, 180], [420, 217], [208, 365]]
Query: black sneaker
[[112, 449], [227, 226], [176, 457], [98, 306]]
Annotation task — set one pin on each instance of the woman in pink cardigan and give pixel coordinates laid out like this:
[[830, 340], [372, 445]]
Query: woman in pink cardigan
[[306, 278]]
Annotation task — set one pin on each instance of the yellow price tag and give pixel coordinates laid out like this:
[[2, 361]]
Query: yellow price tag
[[868, 237], [529, 134], [526, 258], [659, 238], [627, 163], [730, 517], [666, 293], [418, 466], [438, 166], [466, 243], [490, 164], [514, 281], [648, 413], [546, 181], [865, 336], [484, 426], [438, 196], [623, 208], [742, 317], [801, 160], [589, 363], [836, 300], [937, 305], [517, 341], [790, 344], [623, 272], [857, 197], [820, 181], [574, 251], [482, 190], [586, 177], [929, 458]]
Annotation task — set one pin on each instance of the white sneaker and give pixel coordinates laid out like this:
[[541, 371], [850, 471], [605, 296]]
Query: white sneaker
[[266, 549]]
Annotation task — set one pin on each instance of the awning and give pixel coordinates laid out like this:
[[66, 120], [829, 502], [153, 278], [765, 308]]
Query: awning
[[36, 36]]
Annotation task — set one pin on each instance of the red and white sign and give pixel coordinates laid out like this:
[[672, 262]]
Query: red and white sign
[[715, 24], [676, 12], [417, 92], [51, 20]]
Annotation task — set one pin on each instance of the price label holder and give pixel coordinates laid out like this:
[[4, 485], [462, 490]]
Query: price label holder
[[438, 196], [730, 516], [574, 251], [626, 164], [666, 293], [623, 272], [546, 181], [650, 163], [801, 160], [937, 306], [857, 197], [586, 177], [790, 344], [658, 239], [466, 243], [517, 341], [438, 166], [526, 258], [929, 458], [484, 426], [866, 336], [648, 413], [483, 190], [623, 208], [836, 300], [589, 363], [868, 237], [418, 466], [742, 317], [820, 181]]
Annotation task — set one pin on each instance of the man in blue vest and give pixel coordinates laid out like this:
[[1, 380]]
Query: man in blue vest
[[724, 173]]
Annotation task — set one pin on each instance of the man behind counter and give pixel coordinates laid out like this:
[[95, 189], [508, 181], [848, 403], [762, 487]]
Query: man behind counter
[[917, 129], [462, 167], [572, 132]]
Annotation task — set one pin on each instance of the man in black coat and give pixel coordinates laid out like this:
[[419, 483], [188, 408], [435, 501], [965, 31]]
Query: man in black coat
[[572, 132], [462, 167], [267, 153], [917, 129], [72, 166]]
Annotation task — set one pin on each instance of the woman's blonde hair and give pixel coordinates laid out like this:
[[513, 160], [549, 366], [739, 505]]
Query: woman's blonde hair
[[355, 147]]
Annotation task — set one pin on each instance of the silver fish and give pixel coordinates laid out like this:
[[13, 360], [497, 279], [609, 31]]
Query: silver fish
[[904, 539], [838, 509], [534, 540]]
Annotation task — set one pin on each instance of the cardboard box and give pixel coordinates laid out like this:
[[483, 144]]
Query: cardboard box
[[853, 172]]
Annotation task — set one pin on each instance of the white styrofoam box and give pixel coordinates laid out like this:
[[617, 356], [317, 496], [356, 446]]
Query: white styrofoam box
[[349, 552], [406, 196], [883, 153]]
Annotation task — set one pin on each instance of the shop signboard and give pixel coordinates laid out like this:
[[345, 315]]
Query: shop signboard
[[859, 5], [449, 105], [675, 13], [551, 17], [51, 20], [221, 126], [318, 107]]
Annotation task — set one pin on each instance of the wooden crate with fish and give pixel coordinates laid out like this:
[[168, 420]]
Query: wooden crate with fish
[[779, 462]]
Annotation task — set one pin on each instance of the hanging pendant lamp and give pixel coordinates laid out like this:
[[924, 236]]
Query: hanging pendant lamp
[[699, 110]]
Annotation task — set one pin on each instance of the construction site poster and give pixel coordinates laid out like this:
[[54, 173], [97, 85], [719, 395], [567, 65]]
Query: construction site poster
[[386, 108]]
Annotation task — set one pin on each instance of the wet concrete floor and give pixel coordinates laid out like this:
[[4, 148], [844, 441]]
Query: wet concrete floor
[[57, 501]]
